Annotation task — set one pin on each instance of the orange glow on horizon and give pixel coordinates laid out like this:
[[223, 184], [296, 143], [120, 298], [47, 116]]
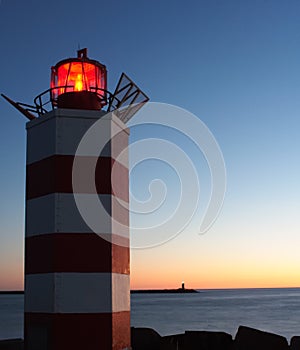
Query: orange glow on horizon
[[199, 273], [12, 278], [214, 284], [167, 266]]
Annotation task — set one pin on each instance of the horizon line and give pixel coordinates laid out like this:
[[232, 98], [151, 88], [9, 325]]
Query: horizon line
[[227, 288]]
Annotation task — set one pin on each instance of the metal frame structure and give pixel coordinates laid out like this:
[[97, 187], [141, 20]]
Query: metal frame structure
[[125, 101]]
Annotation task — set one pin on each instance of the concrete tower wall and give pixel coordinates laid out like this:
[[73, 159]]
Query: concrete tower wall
[[77, 293]]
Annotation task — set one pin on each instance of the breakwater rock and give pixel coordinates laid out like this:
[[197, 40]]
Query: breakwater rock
[[163, 291], [12, 344], [148, 339], [246, 339]]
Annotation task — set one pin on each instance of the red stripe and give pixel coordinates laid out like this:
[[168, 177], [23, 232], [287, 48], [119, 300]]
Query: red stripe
[[71, 252], [54, 175], [120, 327], [103, 331], [119, 142]]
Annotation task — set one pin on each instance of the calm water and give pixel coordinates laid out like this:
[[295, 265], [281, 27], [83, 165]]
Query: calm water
[[274, 310]]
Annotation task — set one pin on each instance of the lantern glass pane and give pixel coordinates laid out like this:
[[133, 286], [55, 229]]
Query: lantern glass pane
[[78, 75]]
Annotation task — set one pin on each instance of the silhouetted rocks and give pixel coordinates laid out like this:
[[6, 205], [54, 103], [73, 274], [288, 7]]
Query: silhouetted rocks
[[246, 339], [202, 340], [148, 339], [295, 343], [12, 344], [144, 339], [207, 340], [172, 342], [249, 339]]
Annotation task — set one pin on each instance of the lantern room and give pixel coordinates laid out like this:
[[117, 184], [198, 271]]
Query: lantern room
[[79, 83]]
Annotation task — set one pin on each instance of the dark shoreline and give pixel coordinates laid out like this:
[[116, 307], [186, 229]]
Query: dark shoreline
[[246, 338], [135, 291], [163, 291]]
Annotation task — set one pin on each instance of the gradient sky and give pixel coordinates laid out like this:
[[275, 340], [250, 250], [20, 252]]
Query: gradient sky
[[235, 64]]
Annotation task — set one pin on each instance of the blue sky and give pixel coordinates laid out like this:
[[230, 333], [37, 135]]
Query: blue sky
[[234, 64]]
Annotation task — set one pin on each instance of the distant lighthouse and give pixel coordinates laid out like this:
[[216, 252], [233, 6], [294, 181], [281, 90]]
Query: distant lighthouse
[[77, 293]]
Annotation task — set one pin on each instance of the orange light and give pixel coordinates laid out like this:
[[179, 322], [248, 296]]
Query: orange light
[[77, 76], [89, 77], [78, 83]]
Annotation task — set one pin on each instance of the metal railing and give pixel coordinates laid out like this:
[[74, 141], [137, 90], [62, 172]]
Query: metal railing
[[47, 100]]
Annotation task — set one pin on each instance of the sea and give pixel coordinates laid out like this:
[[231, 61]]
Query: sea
[[273, 310]]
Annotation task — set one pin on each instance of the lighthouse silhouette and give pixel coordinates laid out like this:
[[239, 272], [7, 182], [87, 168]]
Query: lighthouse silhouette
[[77, 292]]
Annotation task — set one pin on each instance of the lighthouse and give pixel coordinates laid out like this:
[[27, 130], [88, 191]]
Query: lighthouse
[[77, 292]]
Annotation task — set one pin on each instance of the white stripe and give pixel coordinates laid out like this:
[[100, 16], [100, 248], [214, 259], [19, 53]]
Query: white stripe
[[40, 215], [60, 132], [57, 212], [77, 293], [120, 292]]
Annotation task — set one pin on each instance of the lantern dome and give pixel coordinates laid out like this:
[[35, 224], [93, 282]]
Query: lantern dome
[[79, 83]]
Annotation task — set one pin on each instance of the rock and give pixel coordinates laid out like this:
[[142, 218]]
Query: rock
[[295, 343], [201, 340], [253, 339], [144, 339], [172, 342], [12, 344], [205, 340]]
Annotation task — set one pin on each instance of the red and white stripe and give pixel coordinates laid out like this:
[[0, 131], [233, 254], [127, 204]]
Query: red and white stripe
[[77, 292]]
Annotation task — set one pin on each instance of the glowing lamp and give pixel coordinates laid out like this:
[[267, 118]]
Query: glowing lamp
[[79, 83]]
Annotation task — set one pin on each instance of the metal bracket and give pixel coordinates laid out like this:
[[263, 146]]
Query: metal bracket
[[20, 107], [127, 99]]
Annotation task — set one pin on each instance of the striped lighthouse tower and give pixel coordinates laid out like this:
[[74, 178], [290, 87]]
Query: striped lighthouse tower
[[77, 293]]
